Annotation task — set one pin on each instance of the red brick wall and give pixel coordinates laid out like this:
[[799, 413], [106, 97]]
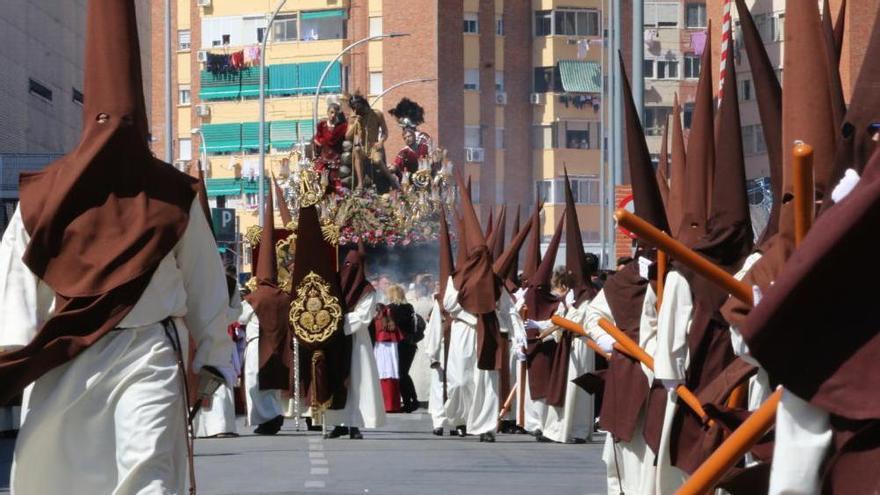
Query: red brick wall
[[358, 61], [622, 243], [157, 91], [487, 105], [450, 73]]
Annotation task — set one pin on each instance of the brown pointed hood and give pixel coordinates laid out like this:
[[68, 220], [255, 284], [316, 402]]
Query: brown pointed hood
[[447, 266], [102, 217], [663, 168], [839, 27], [832, 64], [677, 172], [729, 228], [768, 92], [646, 192], [462, 247], [539, 298], [353, 277], [496, 240], [700, 157], [267, 264], [286, 217], [575, 261], [855, 138], [505, 265], [533, 250], [490, 226]]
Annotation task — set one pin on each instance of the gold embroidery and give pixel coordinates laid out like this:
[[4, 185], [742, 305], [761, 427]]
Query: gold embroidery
[[315, 313], [310, 191], [254, 234]]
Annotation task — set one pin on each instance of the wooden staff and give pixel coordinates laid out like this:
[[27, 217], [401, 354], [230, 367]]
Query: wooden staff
[[737, 444], [632, 349], [661, 276], [577, 330], [507, 403], [804, 189], [662, 241]]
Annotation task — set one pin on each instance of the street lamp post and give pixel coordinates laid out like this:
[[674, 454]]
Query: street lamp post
[[203, 147], [336, 59], [395, 86], [262, 127]]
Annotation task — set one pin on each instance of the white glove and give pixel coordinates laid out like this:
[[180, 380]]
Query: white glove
[[569, 298], [845, 186], [532, 325], [757, 295], [606, 342], [671, 385], [520, 355]]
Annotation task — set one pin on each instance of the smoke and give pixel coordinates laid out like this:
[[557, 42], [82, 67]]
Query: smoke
[[401, 264]]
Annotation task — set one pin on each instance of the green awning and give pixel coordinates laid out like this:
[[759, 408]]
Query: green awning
[[322, 14], [333, 82], [309, 74], [580, 76], [223, 187], [283, 80], [222, 137], [219, 86], [250, 82], [250, 135], [306, 129], [253, 186], [283, 134]]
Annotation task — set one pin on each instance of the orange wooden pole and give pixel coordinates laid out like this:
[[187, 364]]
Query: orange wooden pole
[[578, 330], [661, 276], [508, 402], [804, 190], [523, 369], [683, 254], [738, 396], [737, 444]]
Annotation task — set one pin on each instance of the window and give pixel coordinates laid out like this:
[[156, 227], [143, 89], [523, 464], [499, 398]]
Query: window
[[688, 115], [471, 23], [584, 189], [499, 81], [184, 39], [661, 14], [38, 89], [667, 69], [547, 80], [648, 69], [184, 149], [691, 66], [499, 138], [252, 30], [543, 136], [771, 27], [655, 119], [473, 136], [499, 25], [321, 27], [760, 144], [225, 39], [748, 137], [695, 15], [579, 22], [184, 94], [544, 23], [77, 96], [472, 79], [745, 90], [375, 26], [544, 189], [376, 83], [577, 134], [284, 28]]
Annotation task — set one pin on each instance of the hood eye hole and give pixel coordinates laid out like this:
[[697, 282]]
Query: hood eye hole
[[102, 118], [127, 120], [847, 130]]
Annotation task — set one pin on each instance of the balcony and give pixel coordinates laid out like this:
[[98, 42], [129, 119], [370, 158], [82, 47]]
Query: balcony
[[553, 161], [548, 50]]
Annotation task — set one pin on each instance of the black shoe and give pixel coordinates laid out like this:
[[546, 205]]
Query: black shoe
[[536, 433], [355, 434], [575, 441], [270, 427], [438, 432], [487, 437], [311, 427], [542, 439], [461, 431], [521, 431], [337, 432]]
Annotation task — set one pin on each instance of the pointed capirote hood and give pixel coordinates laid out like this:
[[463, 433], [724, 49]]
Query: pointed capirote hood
[[768, 93], [314, 254], [729, 237], [447, 266], [677, 168], [700, 157], [490, 225], [496, 240], [832, 64], [510, 274], [663, 169], [267, 264], [478, 287], [533, 250], [471, 230], [286, 217], [855, 143], [646, 192], [462, 247], [806, 107], [196, 173], [505, 265], [539, 298], [353, 277], [839, 28], [575, 261]]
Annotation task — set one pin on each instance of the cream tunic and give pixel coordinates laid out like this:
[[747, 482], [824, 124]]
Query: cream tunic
[[262, 405], [219, 416], [433, 347], [112, 420]]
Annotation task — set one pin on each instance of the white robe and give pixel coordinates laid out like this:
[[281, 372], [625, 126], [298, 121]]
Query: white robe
[[113, 419], [575, 419], [364, 407], [262, 405], [219, 416], [433, 347], [803, 437]]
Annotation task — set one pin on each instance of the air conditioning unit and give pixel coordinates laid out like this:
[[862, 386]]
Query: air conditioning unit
[[475, 155], [202, 55], [203, 110], [204, 3], [501, 98], [537, 98]]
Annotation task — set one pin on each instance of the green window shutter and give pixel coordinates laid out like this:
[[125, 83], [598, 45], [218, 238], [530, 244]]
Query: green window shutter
[[250, 135], [250, 82], [283, 134], [223, 187], [306, 129], [222, 137], [322, 14], [333, 82], [580, 76], [283, 80], [253, 186], [309, 73], [219, 86]]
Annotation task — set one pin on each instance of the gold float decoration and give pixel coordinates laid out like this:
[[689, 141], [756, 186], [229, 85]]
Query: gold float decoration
[[315, 313], [310, 190], [253, 235]]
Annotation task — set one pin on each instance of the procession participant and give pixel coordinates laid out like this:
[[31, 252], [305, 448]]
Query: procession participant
[[410, 115], [328, 141], [265, 314], [364, 406], [437, 335], [407, 159], [367, 131], [570, 413], [474, 301], [541, 303], [99, 280]]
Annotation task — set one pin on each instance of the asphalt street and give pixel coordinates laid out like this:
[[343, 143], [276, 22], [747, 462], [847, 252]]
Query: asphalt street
[[401, 458]]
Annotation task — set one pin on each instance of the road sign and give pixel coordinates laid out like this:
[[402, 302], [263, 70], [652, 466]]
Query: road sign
[[627, 204], [224, 224]]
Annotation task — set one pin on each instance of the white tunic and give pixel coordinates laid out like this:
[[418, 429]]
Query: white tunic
[[433, 348], [262, 405], [113, 419], [219, 416], [364, 407]]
